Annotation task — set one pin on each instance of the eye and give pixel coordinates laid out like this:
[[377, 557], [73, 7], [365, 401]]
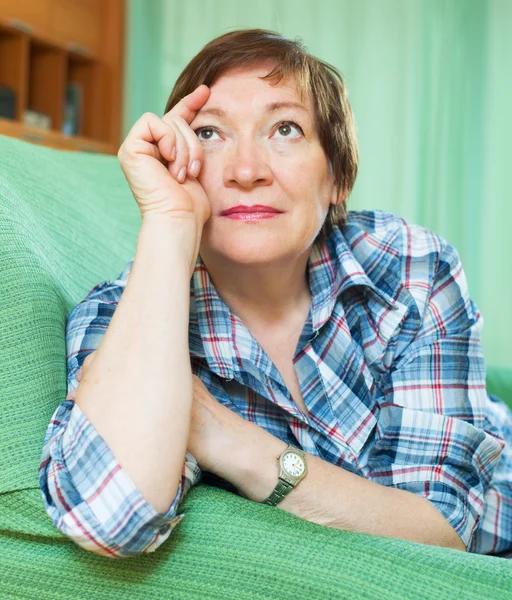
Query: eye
[[285, 127], [205, 130]]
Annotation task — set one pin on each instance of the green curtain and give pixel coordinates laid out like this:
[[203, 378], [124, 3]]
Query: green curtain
[[429, 82], [143, 58]]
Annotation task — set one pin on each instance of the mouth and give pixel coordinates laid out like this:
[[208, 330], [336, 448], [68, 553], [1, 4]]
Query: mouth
[[252, 216], [250, 213]]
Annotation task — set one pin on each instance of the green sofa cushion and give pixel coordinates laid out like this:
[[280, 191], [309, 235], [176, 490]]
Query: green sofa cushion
[[67, 222]]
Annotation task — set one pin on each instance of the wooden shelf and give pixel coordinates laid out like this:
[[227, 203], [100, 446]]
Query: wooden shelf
[[48, 44], [55, 139]]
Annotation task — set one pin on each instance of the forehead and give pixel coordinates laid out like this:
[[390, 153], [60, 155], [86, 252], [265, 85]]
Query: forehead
[[243, 87]]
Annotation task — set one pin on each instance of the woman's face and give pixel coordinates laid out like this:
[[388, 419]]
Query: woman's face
[[256, 152]]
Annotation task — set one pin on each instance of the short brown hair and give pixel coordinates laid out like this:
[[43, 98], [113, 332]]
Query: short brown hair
[[323, 83]]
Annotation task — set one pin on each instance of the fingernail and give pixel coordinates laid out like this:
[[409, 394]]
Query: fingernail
[[194, 169], [182, 173], [173, 153]]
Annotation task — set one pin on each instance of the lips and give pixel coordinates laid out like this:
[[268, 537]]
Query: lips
[[257, 208]]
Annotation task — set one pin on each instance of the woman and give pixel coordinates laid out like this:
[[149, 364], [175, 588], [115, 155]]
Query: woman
[[259, 319]]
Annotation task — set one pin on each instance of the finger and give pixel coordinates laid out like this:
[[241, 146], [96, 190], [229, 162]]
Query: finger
[[194, 145], [71, 395], [79, 375], [149, 130], [179, 166], [188, 106]]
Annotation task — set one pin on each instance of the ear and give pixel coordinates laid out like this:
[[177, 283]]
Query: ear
[[338, 198]]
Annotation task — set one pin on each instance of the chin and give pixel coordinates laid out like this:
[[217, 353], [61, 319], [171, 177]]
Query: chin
[[249, 250]]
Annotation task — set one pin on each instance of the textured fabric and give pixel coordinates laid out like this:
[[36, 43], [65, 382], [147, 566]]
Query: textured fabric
[[390, 365], [230, 548]]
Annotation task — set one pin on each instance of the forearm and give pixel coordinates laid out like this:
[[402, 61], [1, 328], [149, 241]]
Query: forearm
[[334, 497], [138, 390]]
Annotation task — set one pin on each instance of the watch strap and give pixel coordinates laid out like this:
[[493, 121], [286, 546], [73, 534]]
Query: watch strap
[[279, 492], [283, 486]]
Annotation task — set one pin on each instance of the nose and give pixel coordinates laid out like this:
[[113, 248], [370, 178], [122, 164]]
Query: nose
[[246, 164]]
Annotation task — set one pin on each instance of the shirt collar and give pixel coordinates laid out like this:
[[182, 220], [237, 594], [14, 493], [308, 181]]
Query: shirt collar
[[334, 268], [344, 260]]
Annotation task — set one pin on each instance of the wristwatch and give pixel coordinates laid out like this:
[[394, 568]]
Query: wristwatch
[[293, 470]]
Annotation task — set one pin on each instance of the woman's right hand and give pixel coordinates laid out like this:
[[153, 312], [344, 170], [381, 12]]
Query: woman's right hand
[[164, 183]]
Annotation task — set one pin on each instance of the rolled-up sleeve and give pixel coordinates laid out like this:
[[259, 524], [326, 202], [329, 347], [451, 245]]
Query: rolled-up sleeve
[[86, 492], [443, 459], [433, 437], [91, 499]]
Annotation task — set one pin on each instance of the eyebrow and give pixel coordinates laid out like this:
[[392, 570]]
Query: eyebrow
[[269, 108]]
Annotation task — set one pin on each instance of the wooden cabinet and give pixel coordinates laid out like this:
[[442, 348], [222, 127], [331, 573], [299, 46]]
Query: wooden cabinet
[[88, 14], [34, 14], [46, 45]]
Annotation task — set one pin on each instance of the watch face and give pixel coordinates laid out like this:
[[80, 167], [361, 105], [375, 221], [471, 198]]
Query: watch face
[[294, 464]]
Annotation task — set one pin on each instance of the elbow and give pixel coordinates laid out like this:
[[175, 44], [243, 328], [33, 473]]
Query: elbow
[[90, 498], [123, 534], [140, 542], [116, 523]]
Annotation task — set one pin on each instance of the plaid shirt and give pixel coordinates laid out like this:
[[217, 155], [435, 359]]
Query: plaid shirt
[[390, 367]]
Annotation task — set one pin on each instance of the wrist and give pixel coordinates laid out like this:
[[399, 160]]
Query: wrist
[[177, 218], [172, 229], [170, 239], [258, 466]]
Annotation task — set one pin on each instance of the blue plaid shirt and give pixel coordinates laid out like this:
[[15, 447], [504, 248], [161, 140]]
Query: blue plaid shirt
[[390, 367]]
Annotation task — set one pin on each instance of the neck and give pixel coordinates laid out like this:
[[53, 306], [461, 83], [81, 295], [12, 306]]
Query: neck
[[262, 296]]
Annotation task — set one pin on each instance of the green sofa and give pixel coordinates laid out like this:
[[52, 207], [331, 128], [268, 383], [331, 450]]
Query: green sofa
[[67, 221]]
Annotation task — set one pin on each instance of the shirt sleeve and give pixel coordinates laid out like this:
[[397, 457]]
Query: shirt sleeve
[[433, 437], [87, 494]]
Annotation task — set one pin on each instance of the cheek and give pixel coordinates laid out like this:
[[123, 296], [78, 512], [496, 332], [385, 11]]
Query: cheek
[[307, 176], [294, 169], [210, 175]]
